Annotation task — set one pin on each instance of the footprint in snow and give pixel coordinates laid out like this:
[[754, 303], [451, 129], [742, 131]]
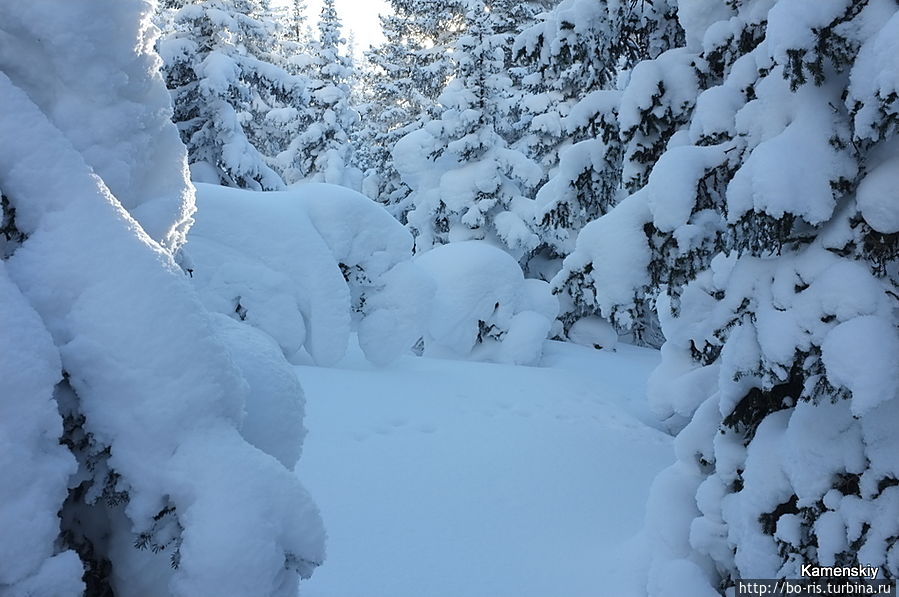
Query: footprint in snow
[[426, 428]]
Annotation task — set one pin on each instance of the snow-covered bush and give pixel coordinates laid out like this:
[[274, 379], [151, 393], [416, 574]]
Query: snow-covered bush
[[307, 266], [130, 450], [594, 332], [483, 306], [310, 265], [763, 227]]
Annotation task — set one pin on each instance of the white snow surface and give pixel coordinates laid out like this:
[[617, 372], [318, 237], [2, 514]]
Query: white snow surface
[[448, 478]]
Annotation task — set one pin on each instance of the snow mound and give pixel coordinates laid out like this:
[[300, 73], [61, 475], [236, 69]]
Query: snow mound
[[593, 331], [257, 256], [396, 313], [307, 266], [310, 265], [483, 306], [273, 409]]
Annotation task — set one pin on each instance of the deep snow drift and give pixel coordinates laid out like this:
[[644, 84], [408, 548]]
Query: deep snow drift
[[444, 478]]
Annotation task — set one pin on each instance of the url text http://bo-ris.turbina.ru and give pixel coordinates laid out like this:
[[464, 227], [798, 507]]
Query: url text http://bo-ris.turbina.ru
[[821, 580]]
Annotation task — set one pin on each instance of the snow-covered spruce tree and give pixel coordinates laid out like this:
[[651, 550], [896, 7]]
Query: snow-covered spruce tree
[[391, 107], [235, 104], [466, 182], [578, 55], [656, 105], [322, 151], [406, 74], [433, 28], [293, 36], [385, 116], [770, 230], [295, 29], [35, 467], [575, 58], [508, 19], [568, 55], [584, 184], [124, 405]]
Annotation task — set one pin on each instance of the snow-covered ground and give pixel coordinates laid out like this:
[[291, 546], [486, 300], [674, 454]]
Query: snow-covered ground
[[441, 478]]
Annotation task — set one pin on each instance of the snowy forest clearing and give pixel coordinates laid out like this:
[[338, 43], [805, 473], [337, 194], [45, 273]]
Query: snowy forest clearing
[[199, 197], [450, 478]]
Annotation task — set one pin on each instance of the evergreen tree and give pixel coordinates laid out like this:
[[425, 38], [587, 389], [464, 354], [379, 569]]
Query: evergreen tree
[[235, 104], [572, 56], [294, 36], [576, 58], [432, 27], [296, 29], [323, 151], [653, 109], [406, 75], [472, 184], [768, 230], [508, 18]]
